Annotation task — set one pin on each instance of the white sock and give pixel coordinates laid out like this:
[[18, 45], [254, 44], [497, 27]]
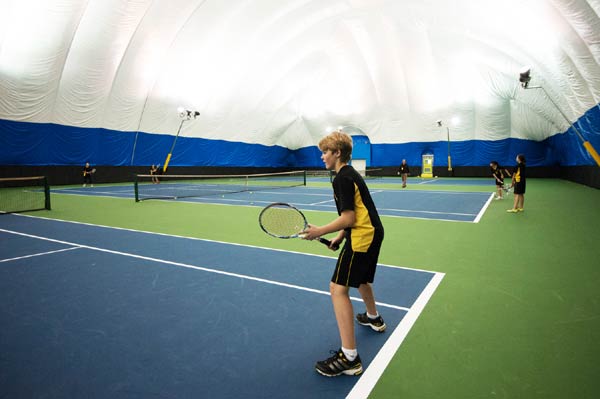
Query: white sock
[[370, 316], [350, 353]]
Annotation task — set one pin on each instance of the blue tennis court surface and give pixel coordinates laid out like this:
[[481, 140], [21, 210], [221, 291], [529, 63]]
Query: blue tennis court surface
[[394, 202], [97, 312]]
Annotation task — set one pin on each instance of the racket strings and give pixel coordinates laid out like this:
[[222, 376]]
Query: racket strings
[[282, 221]]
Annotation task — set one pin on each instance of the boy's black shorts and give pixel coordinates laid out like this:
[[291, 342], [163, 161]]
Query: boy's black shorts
[[355, 268], [519, 188]]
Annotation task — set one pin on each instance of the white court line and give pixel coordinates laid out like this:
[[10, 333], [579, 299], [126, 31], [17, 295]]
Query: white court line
[[83, 191], [320, 203], [409, 192], [384, 209], [38, 254], [256, 204], [398, 210], [483, 209], [115, 196], [367, 381], [426, 212], [207, 240], [426, 181], [328, 194], [179, 264]]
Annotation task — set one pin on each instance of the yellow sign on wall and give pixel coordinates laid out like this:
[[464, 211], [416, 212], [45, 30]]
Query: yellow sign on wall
[[427, 170]]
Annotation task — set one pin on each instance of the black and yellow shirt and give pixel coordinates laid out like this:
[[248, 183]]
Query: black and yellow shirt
[[351, 194], [403, 169], [497, 173], [519, 174]]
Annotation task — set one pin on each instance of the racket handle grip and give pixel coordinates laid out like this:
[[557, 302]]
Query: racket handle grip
[[328, 243]]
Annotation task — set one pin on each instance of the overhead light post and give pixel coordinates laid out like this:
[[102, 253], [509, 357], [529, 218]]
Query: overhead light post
[[185, 115], [439, 123]]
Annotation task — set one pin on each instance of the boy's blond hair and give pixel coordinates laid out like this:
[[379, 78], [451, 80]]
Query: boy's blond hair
[[338, 141]]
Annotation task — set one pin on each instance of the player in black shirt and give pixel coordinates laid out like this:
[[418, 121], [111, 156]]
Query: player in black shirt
[[519, 183], [87, 175], [498, 175], [404, 172], [359, 224]]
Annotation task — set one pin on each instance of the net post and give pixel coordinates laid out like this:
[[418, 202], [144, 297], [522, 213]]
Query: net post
[[135, 188], [304, 173], [47, 194]]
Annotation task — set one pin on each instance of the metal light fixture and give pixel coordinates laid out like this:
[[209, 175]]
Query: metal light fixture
[[187, 114], [525, 78]]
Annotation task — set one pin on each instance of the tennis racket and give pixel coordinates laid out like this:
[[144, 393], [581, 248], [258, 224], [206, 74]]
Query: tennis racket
[[283, 220]]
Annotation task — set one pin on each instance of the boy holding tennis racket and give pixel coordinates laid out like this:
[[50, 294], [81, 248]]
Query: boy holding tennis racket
[[498, 175], [519, 185], [358, 222]]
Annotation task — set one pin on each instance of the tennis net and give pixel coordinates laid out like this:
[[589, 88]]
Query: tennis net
[[374, 173], [371, 173], [319, 173], [186, 186], [22, 194]]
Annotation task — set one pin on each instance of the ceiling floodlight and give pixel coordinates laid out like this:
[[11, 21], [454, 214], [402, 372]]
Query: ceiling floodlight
[[525, 77], [187, 114], [455, 120], [439, 123]]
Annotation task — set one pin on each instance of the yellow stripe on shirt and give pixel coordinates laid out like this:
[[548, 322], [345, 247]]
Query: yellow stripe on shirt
[[362, 231]]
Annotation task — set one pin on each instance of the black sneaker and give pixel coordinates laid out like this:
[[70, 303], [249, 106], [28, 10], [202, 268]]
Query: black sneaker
[[376, 324], [339, 364]]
